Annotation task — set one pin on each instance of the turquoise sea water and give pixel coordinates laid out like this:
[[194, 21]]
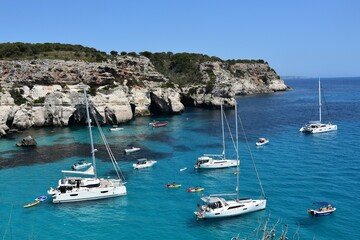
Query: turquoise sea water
[[295, 169]]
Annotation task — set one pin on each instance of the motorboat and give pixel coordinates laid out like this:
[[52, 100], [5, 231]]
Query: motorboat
[[317, 126], [81, 164], [143, 163], [262, 141], [78, 188], [131, 149], [323, 209], [115, 128]]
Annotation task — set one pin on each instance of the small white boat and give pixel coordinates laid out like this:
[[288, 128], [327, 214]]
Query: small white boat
[[115, 128], [81, 164], [132, 149], [262, 141], [143, 163]]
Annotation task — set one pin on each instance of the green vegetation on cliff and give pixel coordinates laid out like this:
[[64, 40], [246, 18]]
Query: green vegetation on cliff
[[180, 68], [183, 68], [18, 51]]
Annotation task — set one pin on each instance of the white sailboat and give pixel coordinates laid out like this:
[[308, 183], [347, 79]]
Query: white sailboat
[[318, 126], [211, 161], [230, 205], [77, 188]]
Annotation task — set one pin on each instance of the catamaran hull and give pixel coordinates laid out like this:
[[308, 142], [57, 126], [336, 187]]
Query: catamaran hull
[[87, 194], [327, 128], [246, 207]]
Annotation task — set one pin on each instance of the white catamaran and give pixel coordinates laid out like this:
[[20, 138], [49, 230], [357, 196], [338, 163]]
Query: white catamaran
[[211, 161], [229, 205], [317, 126], [77, 188]]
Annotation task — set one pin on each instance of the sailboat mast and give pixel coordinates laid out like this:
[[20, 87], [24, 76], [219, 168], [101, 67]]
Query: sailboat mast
[[237, 153], [222, 129], [90, 132], [319, 101]]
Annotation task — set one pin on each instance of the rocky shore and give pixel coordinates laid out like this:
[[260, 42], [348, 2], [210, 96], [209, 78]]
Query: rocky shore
[[50, 92]]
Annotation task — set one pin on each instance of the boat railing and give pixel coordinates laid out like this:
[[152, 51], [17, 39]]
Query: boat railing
[[213, 155], [222, 195]]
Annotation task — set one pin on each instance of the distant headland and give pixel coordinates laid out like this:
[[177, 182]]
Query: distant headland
[[41, 84]]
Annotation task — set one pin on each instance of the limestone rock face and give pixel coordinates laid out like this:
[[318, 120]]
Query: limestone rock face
[[50, 92], [244, 78], [22, 119], [166, 101], [140, 98], [114, 106]]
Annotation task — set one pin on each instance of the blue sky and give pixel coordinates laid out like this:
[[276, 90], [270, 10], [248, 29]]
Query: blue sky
[[298, 38]]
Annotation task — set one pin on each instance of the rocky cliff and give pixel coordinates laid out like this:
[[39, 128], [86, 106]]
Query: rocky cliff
[[49, 92]]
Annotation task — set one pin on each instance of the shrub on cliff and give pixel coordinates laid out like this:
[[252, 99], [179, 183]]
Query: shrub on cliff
[[19, 50], [16, 94], [40, 100], [180, 68]]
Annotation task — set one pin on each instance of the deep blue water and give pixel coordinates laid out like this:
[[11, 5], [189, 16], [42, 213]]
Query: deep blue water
[[295, 169]]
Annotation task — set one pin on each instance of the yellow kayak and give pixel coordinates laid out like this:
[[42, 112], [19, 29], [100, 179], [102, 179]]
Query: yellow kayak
[[32, 204]]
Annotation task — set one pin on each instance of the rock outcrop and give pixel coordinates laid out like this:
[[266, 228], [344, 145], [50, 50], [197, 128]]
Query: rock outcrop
[[28, 141], [50, 92]]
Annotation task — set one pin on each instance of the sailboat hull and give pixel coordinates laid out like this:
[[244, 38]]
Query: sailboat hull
[[232, 208], [210, 163]]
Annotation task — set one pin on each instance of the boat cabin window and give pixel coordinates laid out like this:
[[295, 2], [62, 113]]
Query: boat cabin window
[[219, 162], [203, 161], [234, 207], [71, 181], [215, 205], [63, 189]]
